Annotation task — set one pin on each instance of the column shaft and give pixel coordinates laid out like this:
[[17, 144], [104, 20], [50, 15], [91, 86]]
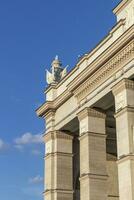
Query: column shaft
[[93, 175], [124, 103], [58, 166]]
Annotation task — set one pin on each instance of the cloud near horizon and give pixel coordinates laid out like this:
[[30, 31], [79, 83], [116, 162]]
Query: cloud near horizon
[[28, 138], [29, 142]]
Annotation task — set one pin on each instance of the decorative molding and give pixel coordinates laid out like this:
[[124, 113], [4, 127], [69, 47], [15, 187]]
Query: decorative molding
[[122, 85], [106, 39], [124, 158], [93, 176], [88, 134], [102, 59], [49, 155], [91, 53], [101, 75], [90, 112], [121, 6], [57, 135], [50, 87], [50, 116], [53, 105], [48, 106], [123, 110], [101, 69], [48, 191]]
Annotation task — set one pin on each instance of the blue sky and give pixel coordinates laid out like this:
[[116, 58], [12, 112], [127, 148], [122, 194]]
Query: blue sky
[[32, 32]]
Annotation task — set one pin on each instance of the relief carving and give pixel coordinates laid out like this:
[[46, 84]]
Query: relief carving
[[105, 72]]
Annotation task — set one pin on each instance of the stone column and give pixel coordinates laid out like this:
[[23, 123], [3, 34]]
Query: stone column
[[124, 103], [93, 175], [58, 166]]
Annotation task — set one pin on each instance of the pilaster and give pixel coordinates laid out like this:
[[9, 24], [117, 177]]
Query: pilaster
[[124, 103], [58, 166], [93, 175]]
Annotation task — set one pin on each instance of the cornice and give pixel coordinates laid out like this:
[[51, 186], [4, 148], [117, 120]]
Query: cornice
[[123, 84], [102, 74], [102, 42], [121, 6], [57, 135], [103, 67], [90, 112], [50, 87], [102, 59], [43, 110], [88, 55], [50, 114]]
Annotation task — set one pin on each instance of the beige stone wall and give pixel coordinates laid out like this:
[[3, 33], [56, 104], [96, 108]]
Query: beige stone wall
[[58, 166], [124, 101], [113, 185], [66, 110], [93, 173]]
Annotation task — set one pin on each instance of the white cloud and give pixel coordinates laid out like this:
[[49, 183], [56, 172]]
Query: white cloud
[[29, 138], [35, 180]]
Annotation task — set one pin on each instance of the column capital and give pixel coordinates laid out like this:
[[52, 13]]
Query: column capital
[[122, 85], [92, 134], [57, 135], [124, 94], [90, 112], [124, 110]]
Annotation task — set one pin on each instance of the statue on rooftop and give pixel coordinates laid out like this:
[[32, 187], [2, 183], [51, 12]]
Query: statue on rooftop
[[57, 72]]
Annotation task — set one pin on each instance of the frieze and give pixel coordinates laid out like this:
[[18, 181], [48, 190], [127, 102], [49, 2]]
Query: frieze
[[104, 73], [104, 67]]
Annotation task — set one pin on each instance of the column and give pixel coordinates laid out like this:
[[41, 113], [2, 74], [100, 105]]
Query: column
[[124, 104], [58, 166], [93, 175]]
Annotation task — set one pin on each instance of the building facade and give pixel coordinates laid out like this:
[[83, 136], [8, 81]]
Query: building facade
[[89, 115]]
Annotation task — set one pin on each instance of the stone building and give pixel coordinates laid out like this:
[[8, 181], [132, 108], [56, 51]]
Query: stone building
[[89, 116]]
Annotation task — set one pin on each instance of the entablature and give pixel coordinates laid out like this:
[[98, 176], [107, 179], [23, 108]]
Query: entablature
[[103, 73], [104, 58], [87, 59], [106, 65], [53, 105]]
